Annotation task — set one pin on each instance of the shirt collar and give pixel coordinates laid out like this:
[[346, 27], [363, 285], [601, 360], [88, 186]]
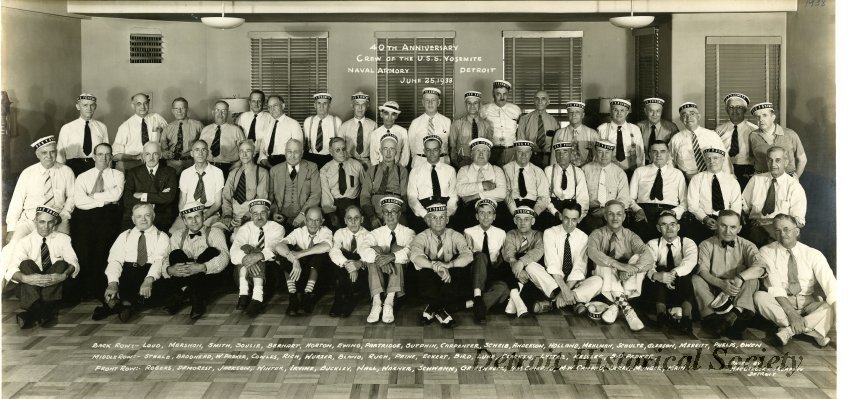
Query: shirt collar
[[155, 168]]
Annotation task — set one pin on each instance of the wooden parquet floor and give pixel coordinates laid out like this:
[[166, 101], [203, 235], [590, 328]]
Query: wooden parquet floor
[[430, 362]]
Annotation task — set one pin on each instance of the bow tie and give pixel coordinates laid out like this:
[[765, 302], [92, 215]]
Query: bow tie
[[725, 244], [193, 235]]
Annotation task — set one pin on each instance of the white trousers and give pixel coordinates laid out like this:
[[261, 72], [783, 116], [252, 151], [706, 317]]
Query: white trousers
[[817, 315]]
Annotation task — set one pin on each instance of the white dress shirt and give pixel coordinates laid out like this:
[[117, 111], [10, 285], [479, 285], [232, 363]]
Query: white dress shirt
[[402, 156], [576, 187], [128, 140], [213, 183], [674, 188], [470, 179], [342, 242], [301, 237], [553, 252], [419, 187], [790, 196], [812, 270], [495, 239], [685, 254], [699, 194], [287, 128], [682, 149], [231, 136], [536, 185], [348, 131], [745, 156], [125, 249], [504, 120], [113, 187], [419, 130], [330, 127], [30, 189], [605, 184], [264, 121], [69, 145], [632, 143], [382, 237], [29, 248], [249, 234]]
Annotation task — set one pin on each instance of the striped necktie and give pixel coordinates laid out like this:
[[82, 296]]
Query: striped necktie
[[239, 193], [320, 138], [215, 147], [793, 279], [699, 157], [261, 240], [45, 255], [178, 146], [200, 192], [48, 187]]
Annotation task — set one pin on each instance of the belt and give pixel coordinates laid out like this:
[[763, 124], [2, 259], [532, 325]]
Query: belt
[[423, 155], [646, 205], [503, 146], [134, 264]]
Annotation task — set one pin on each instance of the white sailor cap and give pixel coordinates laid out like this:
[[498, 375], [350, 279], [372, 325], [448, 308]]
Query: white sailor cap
[[392, 200], [653, 100], [714, 150], [606, 145], [191, 208], [687, 105], [523, 143], [621, 102], [736, 97], [436, 208], [524, 210], [360, 96], [485, 202], [323, 96], [480, 141], [432, 137], [432, 90], [472, 93], [563, 145], [43, 142], [87, 96], [575, 104], [390, 106], [260, 201], [760, 106], [48, 210], [501, 83], [389, 136]]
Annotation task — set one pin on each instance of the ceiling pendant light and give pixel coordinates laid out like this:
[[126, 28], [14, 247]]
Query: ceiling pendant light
[[632, 21], [222, 22]]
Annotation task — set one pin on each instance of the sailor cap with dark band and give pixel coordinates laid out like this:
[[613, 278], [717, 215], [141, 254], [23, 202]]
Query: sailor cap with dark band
[[653, 100], [48, 210], [432, 137], [760, 106], [732, 96], [435, 208], [360, 96], [485, 202], [620, 101], [472, 93], [87, 96], [43, 142], [480, 141], [524, 210], [575, 104], [715, 150], [191, 209], [607, 145], [259, 201], [320, 96], [501, 83], [563, 145], [523, 143], [687, 105], [432, 90], [392, 200], [389, 136], [390, 106]]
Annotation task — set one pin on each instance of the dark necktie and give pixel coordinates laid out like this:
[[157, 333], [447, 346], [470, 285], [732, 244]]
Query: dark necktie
[[485, 247], [474, 129], [671, 263], [261, 240], [657, 191], [252, 135], [621, 150], [716, 195], [152, 175], [200, 192], [699, 157], [382, 188], [567, 264], [612, 250], [541, 130], [48, 189], [193, 235], [523, 191], [435, 183], [178, 146], [342, 180], [293, 173], [563, 179], [793, 280], [319, 137], [45, 255], [87, 139], [652, 137], [392, 240], [733, 148], [145, 136], [770, 199], [239, 193], [270, 149], [353, 245], [215, 148], [142, 250], [359, 148], [730, 243]]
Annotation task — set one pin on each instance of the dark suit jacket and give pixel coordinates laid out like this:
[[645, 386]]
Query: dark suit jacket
[[162, 192], [307, 183]]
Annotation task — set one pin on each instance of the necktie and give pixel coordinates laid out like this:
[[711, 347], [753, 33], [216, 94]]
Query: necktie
[[563, 179], [541, 130], [150, 172], [312, 238], [671, 263], [621, 151], [178, 146], [319, 138], [652, 137], [382, 188], [657, 191], [567, 264], [293, 173], [195, 234], [145, 136], [523, 191], [699, 157], [239, 193], [261, 240], [716, 195], [523, 246], [48, 188], [142, 250], [770, 199], [733, 148], [430, 125], [200, 192], [342, 180], [793, 280], [392, 240], [440, 248], [252, 135], [435, 182], [612, 249], [87, 139], [215, 148], [45, 255], [730, 243], [474, 128], [98, 183], [485, 247], [270, 149], [353, 245], [602, 189], [359, 148]]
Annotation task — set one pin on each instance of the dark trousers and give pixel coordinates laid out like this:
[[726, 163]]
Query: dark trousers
[[743, 173], [683, 290], [495, 280], [336, 220], [438, 294], [94, 231], [319, 159], [200, 284], [647, 229], [760, 235], [224, 166], [30, 294], [79, 165], [345, 288], [591, 222], [698, 231], [131, 280], [319, 262]]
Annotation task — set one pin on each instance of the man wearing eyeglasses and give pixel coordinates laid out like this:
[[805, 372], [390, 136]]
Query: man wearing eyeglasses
[[178, 136]]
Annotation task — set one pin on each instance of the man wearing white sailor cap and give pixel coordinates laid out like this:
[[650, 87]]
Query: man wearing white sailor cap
[[431, 182], [710, 192], [386, 251], [605, 181], [199, 253], [468, 127], [771, 134], [40, 263], [319, 129], [77, 139], [357, 130], [480, 179], [389, 113], [504, 117], [567, 184], [523, 251], [272, 139], [441, 256], [627, 138], [654, 188], [686, 146], [136, 131], [583, 137], [538, 127], [491, 276], [387, 178], [527, 184], [735, 134], [654, 127], [430, 123]]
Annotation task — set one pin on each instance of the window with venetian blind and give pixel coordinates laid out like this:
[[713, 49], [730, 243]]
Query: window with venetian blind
[[646, 62], [749, 65], [548, 60], [290, 64], [408, 62]]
